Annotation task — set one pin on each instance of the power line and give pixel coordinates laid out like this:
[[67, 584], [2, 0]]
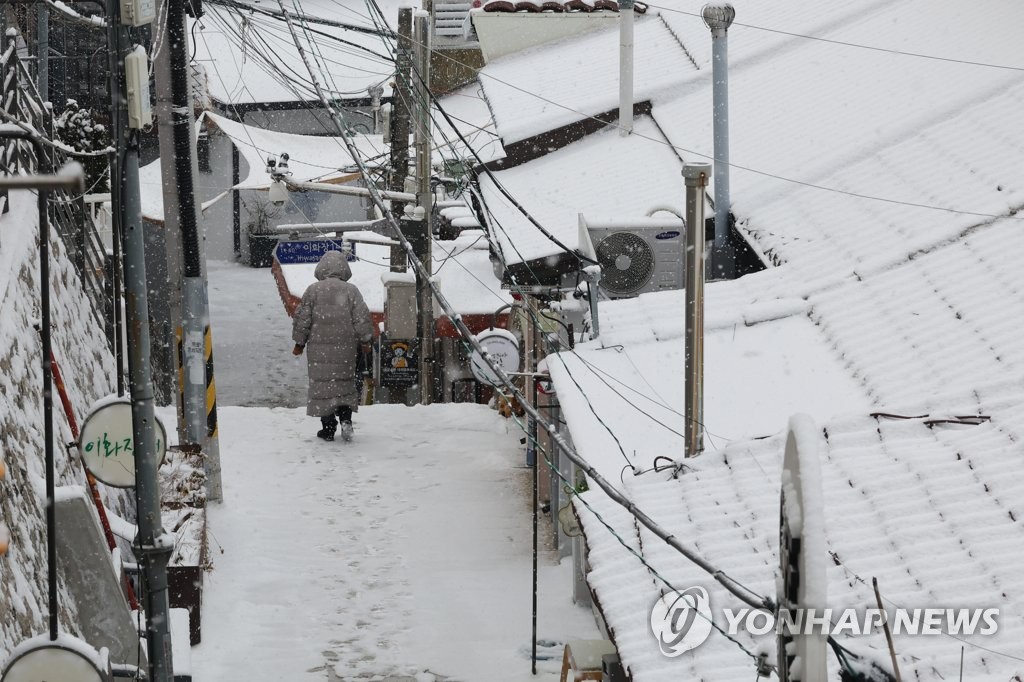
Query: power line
[[440, 108], [749, 169], [844, 43], [576, 495], [733, 586], [234, 4]]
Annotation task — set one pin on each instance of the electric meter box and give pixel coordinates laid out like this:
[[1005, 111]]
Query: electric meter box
[[136, 69], [138, 12]]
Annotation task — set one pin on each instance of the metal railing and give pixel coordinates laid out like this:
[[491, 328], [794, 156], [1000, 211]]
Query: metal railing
[[21, 105]]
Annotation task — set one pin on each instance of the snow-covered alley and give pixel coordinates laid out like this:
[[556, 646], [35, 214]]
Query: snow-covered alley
[[405, 554]]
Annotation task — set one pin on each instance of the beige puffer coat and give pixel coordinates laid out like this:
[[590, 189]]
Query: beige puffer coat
[[331, 321]]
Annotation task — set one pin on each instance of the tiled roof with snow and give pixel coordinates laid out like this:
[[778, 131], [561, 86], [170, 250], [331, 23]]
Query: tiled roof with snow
[[933, 512], [886, 188]]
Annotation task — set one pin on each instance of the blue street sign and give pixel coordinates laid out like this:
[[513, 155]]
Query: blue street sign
[[309, 250]]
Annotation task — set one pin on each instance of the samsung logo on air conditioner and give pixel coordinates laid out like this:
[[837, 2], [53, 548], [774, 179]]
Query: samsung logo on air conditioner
[[671, 234]]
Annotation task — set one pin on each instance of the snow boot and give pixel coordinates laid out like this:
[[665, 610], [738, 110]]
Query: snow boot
[[346, 431], [327, 434]]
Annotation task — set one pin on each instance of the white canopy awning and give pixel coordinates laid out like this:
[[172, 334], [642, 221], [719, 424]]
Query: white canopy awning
[[310, 157]]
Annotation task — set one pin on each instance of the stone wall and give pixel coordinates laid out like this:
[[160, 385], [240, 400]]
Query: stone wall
[[81, 351]]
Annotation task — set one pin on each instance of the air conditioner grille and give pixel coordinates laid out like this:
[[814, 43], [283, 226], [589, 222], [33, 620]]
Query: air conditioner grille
[[627, 262]]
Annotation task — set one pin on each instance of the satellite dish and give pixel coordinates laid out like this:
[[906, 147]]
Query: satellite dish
[[66, 659], [503, 348]]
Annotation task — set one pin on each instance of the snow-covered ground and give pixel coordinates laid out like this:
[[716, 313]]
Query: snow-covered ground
[[252, 338], [405, 554]]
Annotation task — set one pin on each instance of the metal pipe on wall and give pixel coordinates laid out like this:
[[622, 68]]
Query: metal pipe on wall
[[625, 67], [696, 179]]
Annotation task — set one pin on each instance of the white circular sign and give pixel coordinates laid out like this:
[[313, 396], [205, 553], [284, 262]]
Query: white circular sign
[[503, 347], [53, 663], [107, 444]]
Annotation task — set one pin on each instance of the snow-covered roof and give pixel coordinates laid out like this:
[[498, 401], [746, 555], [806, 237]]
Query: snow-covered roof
[[933, 512], [764, 357], [472, 118], [556, 84], [461, 267], [235, 48], [909, 129], [602, 176], [884, 188]]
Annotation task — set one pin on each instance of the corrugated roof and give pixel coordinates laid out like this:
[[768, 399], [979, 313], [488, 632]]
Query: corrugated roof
[[877, 305], [933, 513]]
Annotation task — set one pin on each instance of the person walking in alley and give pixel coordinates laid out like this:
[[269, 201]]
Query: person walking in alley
[[333, 322]]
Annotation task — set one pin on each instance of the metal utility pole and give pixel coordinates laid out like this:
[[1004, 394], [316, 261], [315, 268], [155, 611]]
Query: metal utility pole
[[718, 17], [403, 96], [153, 546], [625, 67], [425, 198], [696, 178], [43, 49], [177, 155]]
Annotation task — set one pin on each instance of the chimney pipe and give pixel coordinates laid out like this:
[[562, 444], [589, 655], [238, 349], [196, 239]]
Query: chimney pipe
[[625, 67], [718, 17]]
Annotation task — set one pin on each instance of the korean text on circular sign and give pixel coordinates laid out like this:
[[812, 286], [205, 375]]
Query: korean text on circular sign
[[503, 347], [107, 444]]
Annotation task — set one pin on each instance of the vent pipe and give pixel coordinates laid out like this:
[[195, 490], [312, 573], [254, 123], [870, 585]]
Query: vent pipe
[[625, 67], [718, 17]]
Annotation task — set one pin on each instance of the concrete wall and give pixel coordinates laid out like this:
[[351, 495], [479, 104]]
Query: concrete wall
[[80, 349]]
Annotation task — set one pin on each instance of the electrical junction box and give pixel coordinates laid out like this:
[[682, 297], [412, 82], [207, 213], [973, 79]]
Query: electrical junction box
[[400, 304], [138, 12], [136, 69]]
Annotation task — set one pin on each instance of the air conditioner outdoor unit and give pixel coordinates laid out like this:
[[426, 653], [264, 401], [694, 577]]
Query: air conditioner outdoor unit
[[636, 256]]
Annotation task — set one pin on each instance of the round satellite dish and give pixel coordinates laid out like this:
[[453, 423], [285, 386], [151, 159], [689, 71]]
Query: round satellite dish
[[65, 660], [503, 347], [107, 443]]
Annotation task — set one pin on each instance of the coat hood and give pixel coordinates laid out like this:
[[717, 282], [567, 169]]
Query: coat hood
[[333, 264]]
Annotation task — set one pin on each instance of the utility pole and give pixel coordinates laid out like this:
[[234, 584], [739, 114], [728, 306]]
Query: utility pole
[[402, 97], [177, 163], [696, 179], [153, 546], [718, 17], [425, 198]]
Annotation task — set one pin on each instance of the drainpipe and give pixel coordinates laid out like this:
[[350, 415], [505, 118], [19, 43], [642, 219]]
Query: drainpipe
[[718, 17], [625, 67], [695, 177]]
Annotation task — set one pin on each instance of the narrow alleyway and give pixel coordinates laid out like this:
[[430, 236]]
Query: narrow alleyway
[[404, 555], [252, 338]]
